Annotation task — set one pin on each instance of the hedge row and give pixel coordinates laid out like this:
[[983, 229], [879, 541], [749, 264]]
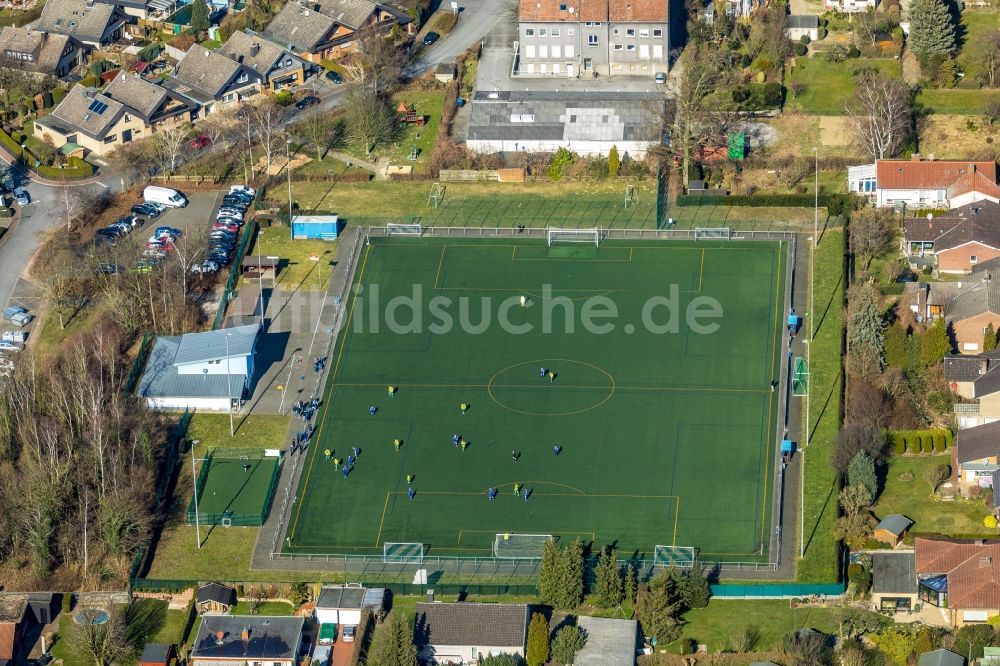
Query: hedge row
[[75, 167], [350, 177], [920, 441], [837, 204]]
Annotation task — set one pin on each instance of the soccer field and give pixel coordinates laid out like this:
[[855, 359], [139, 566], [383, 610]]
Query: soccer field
[[230, 491], [667, 433]]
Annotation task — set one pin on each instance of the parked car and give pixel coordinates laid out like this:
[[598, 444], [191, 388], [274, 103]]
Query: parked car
[[132, 221], [231, 211], [21, 196], [8, 346], [154, 253], [243, 189], [348, 629], [17, 315], [145, 209], [229, 220], [113, 233], [15, 336], [334, 77], [660, 78], [236, 201], [168, 230], [306, 102], [207, 266], [164, 196], [12, 311], [430, 38], [231, 228], [144, 265], [201, 141], [158, 206]]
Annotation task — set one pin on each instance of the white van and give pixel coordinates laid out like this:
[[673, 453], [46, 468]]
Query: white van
[[165, 196]]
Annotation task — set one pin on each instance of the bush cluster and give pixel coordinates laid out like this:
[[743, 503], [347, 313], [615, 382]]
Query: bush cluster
[[921, 441]]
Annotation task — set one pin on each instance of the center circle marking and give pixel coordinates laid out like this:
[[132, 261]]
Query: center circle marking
[[610, 388]]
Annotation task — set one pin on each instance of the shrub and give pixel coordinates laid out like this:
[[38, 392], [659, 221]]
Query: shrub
[[853, 52], [939, 444], [444, 22], [804, 39], [926, 443], [283, 98], [822, 32], [801, 49], [899, 443], [913, 443]]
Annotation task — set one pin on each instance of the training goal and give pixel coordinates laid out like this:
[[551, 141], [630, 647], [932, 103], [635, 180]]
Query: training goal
[[555, 235], [674, 556], [404, 229], [510, 546], [402, 553], [707, 233]]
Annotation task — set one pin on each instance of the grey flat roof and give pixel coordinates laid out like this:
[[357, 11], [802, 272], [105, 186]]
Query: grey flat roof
[[610, 642], [894, 572], [341, 597], [160, 379], [217, 344], [895, 523]]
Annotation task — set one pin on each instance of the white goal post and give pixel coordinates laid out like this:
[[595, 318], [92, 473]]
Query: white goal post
[[403, 229], [703, 233], [518, 546], [558, 235], [402, 553]]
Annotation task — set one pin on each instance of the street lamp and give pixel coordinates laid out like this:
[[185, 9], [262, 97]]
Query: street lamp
[[816, 197], [288, 172], [260, 275], [194, 480]]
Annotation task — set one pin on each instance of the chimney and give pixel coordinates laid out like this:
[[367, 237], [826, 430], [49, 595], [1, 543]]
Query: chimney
[[254, 49], [985, 561], [972, 168], [207, 53], [930, 157], [245, 634], [430, 596], [219, 635]]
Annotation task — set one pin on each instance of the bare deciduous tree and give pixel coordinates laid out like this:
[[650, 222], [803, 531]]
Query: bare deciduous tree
[[369, 118], [170, 143], [266, 119], [880, 114], [106, 643], [381, 61], [322, 132]]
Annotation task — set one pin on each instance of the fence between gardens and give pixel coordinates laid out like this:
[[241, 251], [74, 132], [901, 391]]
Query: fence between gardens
[[78, 170]]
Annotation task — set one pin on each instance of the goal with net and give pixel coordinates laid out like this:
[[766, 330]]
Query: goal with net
[[674, 556], [402, 553], [404, 229], [556, 235], [510, 546], [706, 233]]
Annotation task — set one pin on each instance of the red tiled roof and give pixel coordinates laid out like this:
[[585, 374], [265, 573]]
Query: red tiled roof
[[928, 174], [975, 181], [8, 634], [587, 10], [638, 11], [973, 570]]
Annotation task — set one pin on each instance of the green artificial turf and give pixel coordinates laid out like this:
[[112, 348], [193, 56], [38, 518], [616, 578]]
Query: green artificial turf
[[231, 491], [667, 438]]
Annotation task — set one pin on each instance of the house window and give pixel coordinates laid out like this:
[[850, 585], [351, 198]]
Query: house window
[[562, 7], [529, 32], [128, 118], [657, 32], [111, 139], [542, 32], [572, 119], [288, 62], [569, 50], [644, 33], [570, 32], [243, 78], [555, 32], [630, 47], [630, 32], [972, 259], [615, 31], [591, 40], [618, 47]]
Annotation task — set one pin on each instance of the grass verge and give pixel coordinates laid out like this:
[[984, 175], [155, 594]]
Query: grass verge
[[259, 431], [298, 271], [829, 85], [826, 375]]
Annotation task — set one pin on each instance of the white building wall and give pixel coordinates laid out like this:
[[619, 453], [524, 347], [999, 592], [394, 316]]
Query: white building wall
[[192, 404], [912, 198], [464, 654], [970, 197]]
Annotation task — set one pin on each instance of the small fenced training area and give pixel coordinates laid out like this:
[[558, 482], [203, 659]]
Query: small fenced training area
[[234, 488]]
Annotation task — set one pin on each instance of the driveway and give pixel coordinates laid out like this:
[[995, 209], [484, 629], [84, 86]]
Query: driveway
[[476, 19]]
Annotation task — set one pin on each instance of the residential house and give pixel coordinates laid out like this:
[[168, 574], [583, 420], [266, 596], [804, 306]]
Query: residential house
[[278, 67], [976, 455], [891, 529], [247, 640], [213, 81], [957, 241], [610, 642], [212, 370], [961, 576], [157, 654], [326, 29], [587, 123], [940, 658], [851, 6], [215, 598], [464, 632], [93, 24], [802, 25], [974, 305], [19, 614], [129, 108], [894, 580], [41, 52], [610, 37], [929, 183], [975, 377]]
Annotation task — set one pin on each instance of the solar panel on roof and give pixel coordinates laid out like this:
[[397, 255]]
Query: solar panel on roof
[[98, 107]]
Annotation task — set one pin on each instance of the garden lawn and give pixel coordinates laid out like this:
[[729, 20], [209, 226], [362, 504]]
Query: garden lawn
[[828, 85], [429, 103], [976, 23], [955, 102], [259, 431], [713, 625], [820, 562], [912, 499], [297, 271], [328, 166], [275, 608]]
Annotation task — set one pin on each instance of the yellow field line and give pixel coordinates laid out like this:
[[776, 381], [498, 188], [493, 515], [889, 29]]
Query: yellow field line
[[677, 518], [331, 378], [385, 507], [437, 276], [770, 400], [697, 389], [701, 270]]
